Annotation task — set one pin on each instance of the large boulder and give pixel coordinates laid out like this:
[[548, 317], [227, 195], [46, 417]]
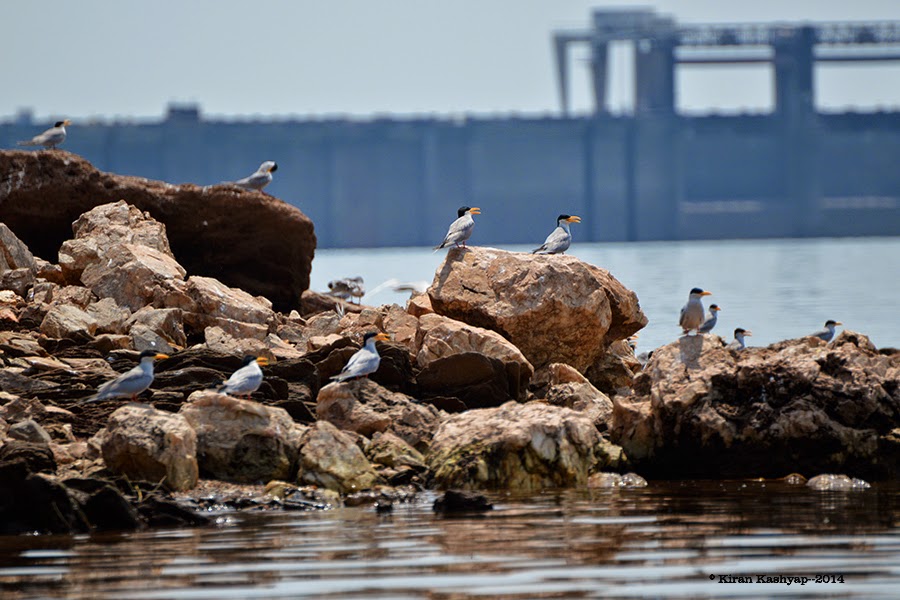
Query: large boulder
[[17, 264], [241, 440], [245, 239], [150, 445], [554, 308], [366, 408], [518, 447], [701, 410]]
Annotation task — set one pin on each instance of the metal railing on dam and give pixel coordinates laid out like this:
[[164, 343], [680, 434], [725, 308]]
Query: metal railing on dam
[[398, 182]]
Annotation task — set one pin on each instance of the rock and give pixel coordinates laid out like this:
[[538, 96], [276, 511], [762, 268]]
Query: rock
[[553, 308], [218, 340], [614, 480], [477, 381], [146, 444], [615, 370], [517, 447], [419, 305], [241, 440], [17, 265], [109, 316], [364, 407], [402, 327], [236, 312], [108, 510], [312, 303], [330, 458], [18, 281], [37, 458], [135, 276], [167, 323], [75, 295], [836, 483], [569, 388], [67, 321], [391, 451], [440, 337], [700, 410], [29, 431], [140, 337], [457, 501], [48, 271], [34, 503]]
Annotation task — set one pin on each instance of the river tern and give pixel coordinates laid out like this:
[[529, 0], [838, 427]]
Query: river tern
[[245, 380], [710, 320], [461, 229], [260, 179], [738, 343], [366, 359], [827, 332], [347, 288], [560, 238], [692, 313], [51, 138], [132, 382]]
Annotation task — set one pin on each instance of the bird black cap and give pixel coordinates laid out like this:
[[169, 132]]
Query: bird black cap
[[696, 291], [147, 353], [562, 218], [830, 322], [739, 330], [463, 210], [59, 123], [247, 360]]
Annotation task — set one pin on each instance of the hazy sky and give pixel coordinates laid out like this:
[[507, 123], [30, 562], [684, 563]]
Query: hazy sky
[[334, 57]]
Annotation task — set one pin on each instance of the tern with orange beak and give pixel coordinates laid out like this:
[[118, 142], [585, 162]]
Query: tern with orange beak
[[692, 312], [365, 361], [132, 382], [461, 229], [245, 380], [560, 238], [51, 138], [827, 332], [738, 343], [711, 319], [260, 179]]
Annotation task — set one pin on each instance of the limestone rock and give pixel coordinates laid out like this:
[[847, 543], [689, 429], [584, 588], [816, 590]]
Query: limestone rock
[[248, 240], [554, 308], [614, 370], [241, 440], [167, 323], [365, 407], [151, 445], [517, 447], [29, 431], [17, 264], [330, 458], [391, 451], [134, 276], [216, 304], [476, 380], [439, 337], [109, 316], [700, 410], [67, 321]]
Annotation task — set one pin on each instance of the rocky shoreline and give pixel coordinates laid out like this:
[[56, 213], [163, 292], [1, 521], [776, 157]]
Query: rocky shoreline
[[511, 372]]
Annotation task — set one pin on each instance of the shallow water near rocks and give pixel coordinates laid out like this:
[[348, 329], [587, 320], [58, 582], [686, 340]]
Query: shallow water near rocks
[[685, 539]]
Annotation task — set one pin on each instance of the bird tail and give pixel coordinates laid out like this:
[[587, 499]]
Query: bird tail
[[94, 398], [26, 143], [439, 246]]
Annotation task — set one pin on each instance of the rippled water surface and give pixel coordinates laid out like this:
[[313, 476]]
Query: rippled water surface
[[778, 289], [671, 539]]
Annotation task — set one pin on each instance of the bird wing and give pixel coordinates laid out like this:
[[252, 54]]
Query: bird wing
[[256, 181], [707, 325], [361, 363], [557, 241]]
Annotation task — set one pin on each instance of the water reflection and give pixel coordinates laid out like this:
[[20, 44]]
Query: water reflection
[[661, 541]]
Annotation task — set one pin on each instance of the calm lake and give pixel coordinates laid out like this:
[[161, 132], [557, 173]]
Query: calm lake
[[669, 540], [778, 289], [690, 539]]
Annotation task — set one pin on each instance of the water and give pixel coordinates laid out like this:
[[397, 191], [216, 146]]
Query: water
[[671, 539], [778, 289]]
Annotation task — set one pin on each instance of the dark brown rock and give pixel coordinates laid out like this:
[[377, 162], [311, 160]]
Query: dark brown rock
[[476, 380], [247, 240]]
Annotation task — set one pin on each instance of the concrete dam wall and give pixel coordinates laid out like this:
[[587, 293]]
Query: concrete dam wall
[[396, 182]]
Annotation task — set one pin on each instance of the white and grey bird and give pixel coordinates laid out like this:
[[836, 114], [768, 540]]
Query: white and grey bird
[[738, 343], [366, 359], [260, 179], [827, 332], [347, 288], [460, 229], [692, 313], [51, 138], [560, 238], [245, 380], [130, 383], [711, 319]]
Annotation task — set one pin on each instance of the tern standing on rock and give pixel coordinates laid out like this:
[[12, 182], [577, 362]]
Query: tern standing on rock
[[245, 380], [560, 238], [461, 229], [51, 138], [828, 332], [260, 179], [131, 383], [738, 343], [365, 361], [711, 319], [692, 312]]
